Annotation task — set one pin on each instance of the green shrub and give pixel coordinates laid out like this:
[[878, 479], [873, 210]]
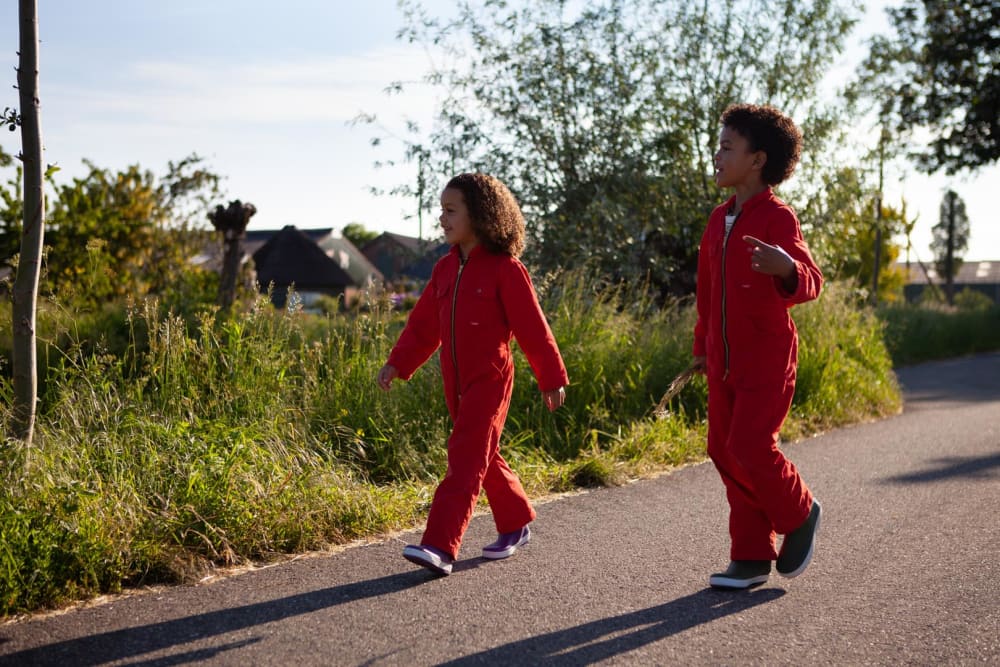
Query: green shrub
[[915, 333]]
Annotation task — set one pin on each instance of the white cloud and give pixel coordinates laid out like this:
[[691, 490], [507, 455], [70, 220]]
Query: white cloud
[[190, 95]]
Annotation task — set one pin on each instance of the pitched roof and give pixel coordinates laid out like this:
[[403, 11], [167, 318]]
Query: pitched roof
[[351, 259], [411, 243], [969, 272], [256, 238], [291, 257], [421, 267]]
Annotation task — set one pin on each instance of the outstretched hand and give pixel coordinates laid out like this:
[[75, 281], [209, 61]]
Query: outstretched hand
[[770, 259], [554, 399]]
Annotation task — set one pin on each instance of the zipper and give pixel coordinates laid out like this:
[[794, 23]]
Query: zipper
[[725, 339], [454, 302]]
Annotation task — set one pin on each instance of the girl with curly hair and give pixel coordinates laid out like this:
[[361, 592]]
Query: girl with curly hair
[[746, 344], [478, 296]]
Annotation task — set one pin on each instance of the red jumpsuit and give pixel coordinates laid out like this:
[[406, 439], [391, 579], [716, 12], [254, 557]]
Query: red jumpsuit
[[751, 347], [470, 310]]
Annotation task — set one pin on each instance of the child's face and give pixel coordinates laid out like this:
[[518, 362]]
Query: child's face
[[455, 219], [735, 164]]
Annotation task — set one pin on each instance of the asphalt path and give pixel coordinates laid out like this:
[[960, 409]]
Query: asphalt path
[[906, 571]]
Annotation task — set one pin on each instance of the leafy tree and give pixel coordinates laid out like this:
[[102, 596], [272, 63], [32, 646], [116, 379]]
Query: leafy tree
[[358, 234], [843, 237], [950, 241], [940, 70], [11, 213], [112, 234], [603, 120]]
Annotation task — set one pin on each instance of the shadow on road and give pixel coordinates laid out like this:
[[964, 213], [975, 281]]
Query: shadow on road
[[599, 640], [132, 642], [983, 467]]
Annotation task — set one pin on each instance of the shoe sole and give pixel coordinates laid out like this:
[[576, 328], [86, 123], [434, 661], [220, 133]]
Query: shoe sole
[[424, 560], [812, 546], [506, 553], [720, 581]]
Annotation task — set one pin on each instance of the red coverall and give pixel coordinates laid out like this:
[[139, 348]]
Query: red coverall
[[470, 310], [751, 347]]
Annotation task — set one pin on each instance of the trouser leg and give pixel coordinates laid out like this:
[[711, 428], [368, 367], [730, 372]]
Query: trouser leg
[[765, 492], [472, 447], [509, 503]]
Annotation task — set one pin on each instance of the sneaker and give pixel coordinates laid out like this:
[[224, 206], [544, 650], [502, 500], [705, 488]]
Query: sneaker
[[742, 574], [507, 544], [797, 547], [433, 559]]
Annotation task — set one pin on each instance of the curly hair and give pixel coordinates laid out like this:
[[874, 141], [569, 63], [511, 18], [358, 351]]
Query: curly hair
[[495, 215], [768, 130]]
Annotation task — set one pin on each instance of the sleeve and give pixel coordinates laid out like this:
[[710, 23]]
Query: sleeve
[[420, 337], [703, 297], [785, 232], [524, 314]]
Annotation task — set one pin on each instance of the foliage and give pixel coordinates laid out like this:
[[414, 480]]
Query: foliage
[[916, 333], [951, 237], [602, 119], [11, 210], [172, 446], [111, 234], [358, 234], [942, 66], [841, 219]]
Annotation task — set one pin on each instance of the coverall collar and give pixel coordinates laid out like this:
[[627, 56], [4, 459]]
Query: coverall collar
[[457, 250], [752, 203]]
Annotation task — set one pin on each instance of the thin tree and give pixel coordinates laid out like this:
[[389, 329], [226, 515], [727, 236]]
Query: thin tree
[[951, 240], [25, 292]]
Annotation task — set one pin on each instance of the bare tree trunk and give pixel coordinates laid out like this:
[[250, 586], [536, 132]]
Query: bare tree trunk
[[232, 222], [949, 261], [878, 220], [29, 264]]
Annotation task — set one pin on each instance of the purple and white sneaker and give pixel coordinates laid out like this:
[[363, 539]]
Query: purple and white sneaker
[[433, 559], [507, 544]]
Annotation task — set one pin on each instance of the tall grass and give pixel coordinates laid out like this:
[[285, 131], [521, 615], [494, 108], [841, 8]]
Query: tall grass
[[174, 445], [916, 333]]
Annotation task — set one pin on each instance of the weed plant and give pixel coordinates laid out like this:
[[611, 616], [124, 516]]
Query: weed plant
[[168, 445]]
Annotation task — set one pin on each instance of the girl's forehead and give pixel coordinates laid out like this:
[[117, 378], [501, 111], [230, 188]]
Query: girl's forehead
[[452, 196]]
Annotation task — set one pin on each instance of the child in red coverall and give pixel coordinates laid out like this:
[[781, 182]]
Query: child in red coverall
[[478, 295], [753, 265]]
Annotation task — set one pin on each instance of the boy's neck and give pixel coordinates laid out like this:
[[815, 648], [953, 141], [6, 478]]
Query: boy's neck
[[746, 191]]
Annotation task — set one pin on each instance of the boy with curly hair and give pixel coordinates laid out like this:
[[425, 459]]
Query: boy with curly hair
[[478, 296], [746, 344]]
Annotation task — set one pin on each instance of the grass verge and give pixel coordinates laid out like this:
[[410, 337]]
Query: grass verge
[[174, 446]]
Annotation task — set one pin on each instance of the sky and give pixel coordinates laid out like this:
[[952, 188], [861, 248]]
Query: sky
[[266, 92]]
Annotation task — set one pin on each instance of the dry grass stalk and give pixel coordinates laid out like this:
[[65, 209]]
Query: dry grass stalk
[[673, 389]]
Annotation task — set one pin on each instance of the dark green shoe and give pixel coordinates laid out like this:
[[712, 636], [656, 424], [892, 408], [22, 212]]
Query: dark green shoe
[[797, 547], [742, 574]]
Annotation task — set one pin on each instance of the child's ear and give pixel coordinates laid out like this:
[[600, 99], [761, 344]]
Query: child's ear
[[760, 159]]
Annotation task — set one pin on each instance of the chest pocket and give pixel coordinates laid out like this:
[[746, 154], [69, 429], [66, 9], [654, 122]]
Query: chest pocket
[[442, 293], [483, 310]]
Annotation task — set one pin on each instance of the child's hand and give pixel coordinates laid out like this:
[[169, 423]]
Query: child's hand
[[699, 364], [555, 398], [770, 259], [386, 375]]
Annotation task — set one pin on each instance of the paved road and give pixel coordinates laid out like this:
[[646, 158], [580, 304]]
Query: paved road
[[907, 571]]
